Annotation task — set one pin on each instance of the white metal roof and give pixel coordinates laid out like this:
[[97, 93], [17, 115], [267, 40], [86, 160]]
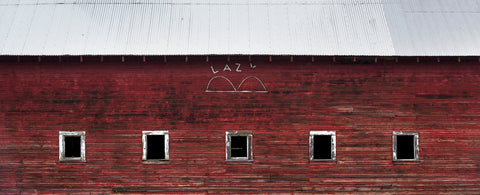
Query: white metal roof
[[256, 27]]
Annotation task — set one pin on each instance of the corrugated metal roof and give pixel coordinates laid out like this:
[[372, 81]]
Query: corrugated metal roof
[[270, 27], [434, 27]]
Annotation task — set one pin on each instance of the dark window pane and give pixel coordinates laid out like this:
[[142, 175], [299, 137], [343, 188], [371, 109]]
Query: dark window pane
[[155, 147], [405, 147], [72, 146], [239, 146], [322, 147]]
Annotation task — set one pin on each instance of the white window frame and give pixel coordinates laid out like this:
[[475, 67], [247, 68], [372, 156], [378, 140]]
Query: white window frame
[[61, 146], [228, 146], [144, 141], [333, 146], [415, 142]]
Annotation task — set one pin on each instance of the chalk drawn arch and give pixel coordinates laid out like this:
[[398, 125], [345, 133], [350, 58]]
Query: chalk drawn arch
[[235, 90], [252, 91], [224, 91]]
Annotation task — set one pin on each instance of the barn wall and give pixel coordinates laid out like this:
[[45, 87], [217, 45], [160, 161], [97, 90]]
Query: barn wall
[[113, 102]]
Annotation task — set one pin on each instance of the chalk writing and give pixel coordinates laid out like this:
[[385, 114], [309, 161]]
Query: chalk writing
[[227, 68], [238, 67], [214, 71], [230, 87]]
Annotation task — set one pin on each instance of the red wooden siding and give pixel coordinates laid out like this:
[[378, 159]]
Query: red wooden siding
[[114, 102]]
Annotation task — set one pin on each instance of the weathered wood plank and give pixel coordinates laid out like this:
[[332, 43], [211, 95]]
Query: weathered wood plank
[[114, 102]]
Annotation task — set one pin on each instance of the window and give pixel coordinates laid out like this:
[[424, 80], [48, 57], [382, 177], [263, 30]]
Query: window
[[405, 146], [322, 146], [155, 145], [239, 146], [71, 146]]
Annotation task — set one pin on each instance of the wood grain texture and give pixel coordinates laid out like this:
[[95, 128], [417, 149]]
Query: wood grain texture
[[114, 102]]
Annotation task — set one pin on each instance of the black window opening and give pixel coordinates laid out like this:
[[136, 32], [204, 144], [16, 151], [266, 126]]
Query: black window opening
[[155, 147], [405, 147], [322, 147], [73, 146], [239, 146]]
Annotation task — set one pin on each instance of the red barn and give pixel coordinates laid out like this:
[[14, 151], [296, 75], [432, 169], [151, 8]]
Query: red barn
[[214, 96]]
